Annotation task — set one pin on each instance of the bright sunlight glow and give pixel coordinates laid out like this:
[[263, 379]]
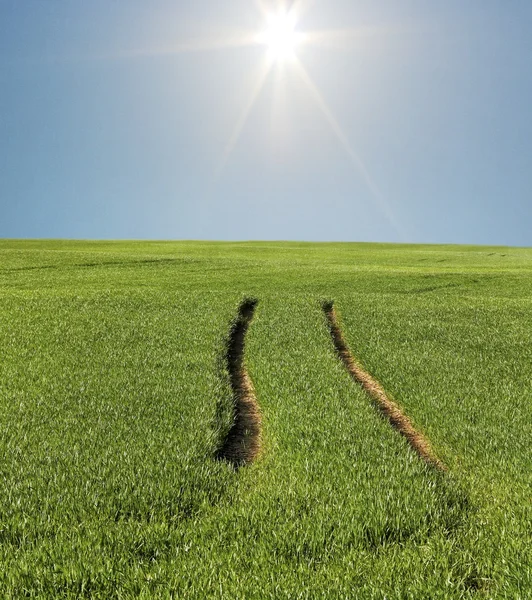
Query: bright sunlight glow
[[281, 36]]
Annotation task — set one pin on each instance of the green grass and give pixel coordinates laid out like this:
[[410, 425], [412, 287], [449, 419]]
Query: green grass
[[114, 399]]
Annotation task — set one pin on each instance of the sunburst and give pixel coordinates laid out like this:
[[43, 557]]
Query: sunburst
[[282, 38]]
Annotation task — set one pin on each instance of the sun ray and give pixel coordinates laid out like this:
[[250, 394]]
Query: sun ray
[[277, 99], [344, 141], [235, 40], [261, 80], [353, 38]]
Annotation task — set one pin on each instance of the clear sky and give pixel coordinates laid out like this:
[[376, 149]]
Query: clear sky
[[399, 120]]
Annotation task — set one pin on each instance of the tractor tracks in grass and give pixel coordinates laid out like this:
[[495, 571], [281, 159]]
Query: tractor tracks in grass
[[241, 445], [388, 408]]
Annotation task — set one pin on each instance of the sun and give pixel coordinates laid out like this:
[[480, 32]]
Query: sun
[[280, 36]]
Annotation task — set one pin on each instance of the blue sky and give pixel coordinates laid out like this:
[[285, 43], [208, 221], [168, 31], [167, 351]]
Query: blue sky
[[407, 120]]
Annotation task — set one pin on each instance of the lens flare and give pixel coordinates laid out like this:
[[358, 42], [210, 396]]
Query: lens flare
[[281, 37]]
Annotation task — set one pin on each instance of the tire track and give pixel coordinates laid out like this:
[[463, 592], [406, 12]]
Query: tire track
[[242, 443], [388, 408]]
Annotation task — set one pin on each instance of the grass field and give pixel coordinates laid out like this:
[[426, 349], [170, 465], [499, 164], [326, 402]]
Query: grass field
[[115, 398]]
